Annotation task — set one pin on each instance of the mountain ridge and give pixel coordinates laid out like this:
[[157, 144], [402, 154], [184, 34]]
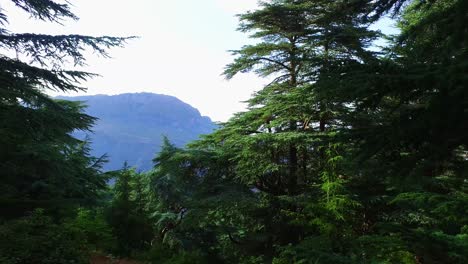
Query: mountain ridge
[[130, 126]]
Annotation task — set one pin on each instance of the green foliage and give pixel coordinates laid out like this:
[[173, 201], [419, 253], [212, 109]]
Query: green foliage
[[96, 232], [127, 215], [347, 156], [383, 249], [37, 239], [42, 164]]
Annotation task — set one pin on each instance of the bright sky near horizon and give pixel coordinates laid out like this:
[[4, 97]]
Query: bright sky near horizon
[[182, 49]]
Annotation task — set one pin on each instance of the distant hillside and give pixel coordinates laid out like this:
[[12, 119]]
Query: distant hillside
[[131, 126]]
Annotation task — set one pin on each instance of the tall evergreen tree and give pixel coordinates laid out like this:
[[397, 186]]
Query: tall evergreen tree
[[348, 156], [279, 151], [40, 159], [298, 44], [406, 118], [41, 164]]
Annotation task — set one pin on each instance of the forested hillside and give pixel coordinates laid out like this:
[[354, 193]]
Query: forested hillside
[[130, 127], [353, 153]]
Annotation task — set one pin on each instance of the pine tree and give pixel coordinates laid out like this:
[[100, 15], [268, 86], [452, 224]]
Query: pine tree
[[406, 124], [198, 206], [40, 159], [130, 224], [278, 156], [348, 156], [298, 44]]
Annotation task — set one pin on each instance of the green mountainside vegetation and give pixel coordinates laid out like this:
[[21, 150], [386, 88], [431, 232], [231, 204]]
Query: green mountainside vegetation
[[352, 154]]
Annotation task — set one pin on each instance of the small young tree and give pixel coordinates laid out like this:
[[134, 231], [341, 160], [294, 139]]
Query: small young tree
[[130, 224]]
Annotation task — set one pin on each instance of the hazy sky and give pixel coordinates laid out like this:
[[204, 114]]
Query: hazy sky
[[182, 49]]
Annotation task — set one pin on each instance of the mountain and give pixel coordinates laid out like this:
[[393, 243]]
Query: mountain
[[131, 126]]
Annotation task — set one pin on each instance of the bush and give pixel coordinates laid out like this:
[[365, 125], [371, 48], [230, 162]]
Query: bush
[[96, 231], [36, 239]]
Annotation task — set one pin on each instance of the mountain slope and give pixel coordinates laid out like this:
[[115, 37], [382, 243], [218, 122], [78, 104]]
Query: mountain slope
[[131, 126]]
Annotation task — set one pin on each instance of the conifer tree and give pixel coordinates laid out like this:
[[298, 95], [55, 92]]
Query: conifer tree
[[278, 151], [348, 156], [129, 222], [39, 156], [405, 125], [298, 44]]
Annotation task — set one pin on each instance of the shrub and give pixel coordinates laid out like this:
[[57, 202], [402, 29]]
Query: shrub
[[37, 239]]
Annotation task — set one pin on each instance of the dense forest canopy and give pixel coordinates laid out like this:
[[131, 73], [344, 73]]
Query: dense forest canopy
[[352, 154]]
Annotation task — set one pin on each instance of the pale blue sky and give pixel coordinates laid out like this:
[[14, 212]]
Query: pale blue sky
[[182, 49]]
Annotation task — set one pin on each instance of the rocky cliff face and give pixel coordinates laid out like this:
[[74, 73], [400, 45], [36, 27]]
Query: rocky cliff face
[[131, 126]]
